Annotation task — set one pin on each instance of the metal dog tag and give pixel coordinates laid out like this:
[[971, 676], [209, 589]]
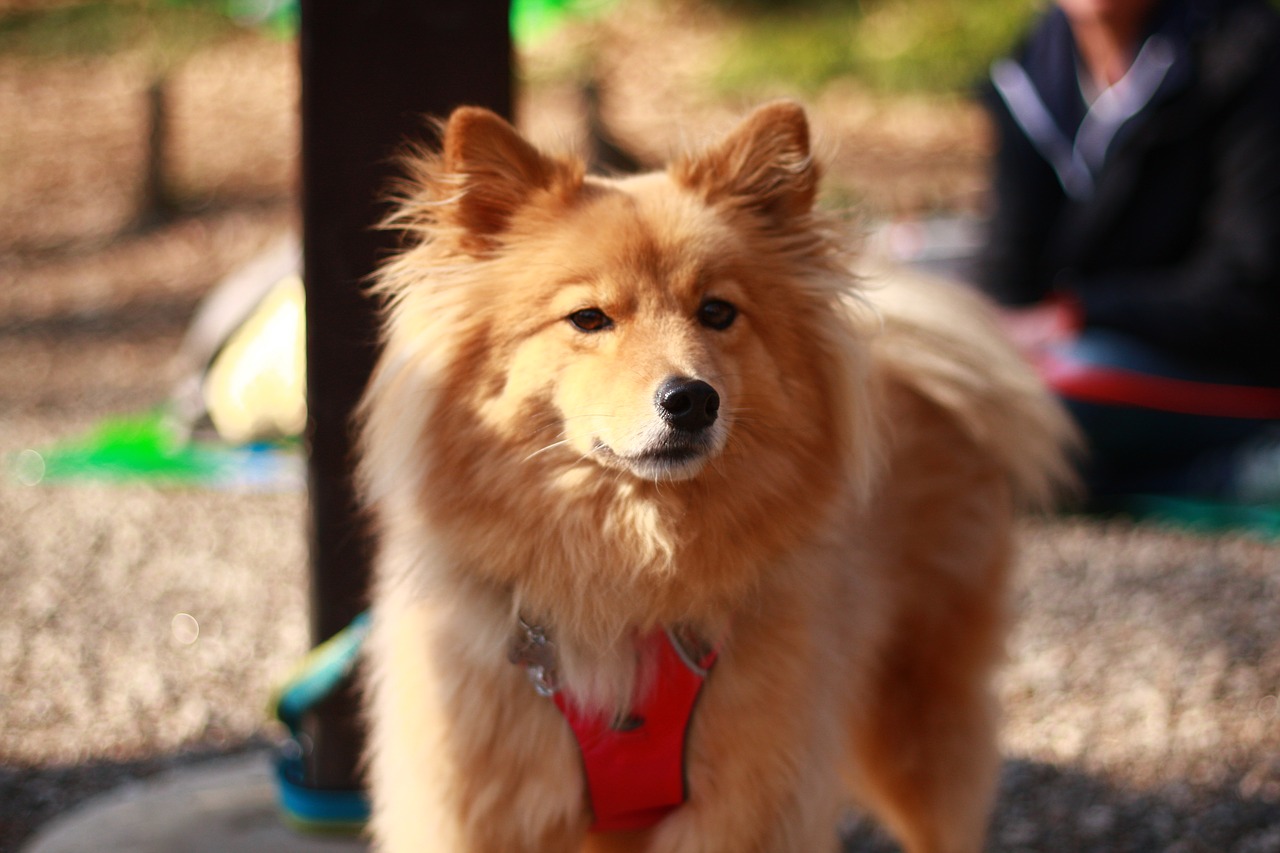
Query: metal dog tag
[[533, 649]]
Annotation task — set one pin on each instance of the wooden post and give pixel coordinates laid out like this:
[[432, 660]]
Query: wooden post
[[371, 70]]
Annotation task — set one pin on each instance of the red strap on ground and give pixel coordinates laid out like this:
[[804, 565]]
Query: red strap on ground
[[635, 772], [1090, 383]]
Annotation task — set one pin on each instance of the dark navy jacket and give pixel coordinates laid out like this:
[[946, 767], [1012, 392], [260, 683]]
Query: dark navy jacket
[[1158, 210]]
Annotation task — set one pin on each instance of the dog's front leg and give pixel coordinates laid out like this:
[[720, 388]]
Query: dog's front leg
[[408, 781], [464, 756], [763, 746]]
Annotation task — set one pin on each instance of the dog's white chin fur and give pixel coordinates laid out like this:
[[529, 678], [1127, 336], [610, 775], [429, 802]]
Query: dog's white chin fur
[[663, 460], [666, 470]]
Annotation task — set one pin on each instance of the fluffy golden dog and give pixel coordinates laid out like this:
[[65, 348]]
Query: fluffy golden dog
[[610, 410]]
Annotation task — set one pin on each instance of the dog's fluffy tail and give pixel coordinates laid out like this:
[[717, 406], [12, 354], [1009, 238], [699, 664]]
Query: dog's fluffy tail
[[942, 339]]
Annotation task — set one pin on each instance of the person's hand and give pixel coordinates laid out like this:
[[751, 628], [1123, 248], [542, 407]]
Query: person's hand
[[1039, 327]]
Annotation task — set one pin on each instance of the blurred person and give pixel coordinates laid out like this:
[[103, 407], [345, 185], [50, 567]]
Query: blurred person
[[1135, 240]]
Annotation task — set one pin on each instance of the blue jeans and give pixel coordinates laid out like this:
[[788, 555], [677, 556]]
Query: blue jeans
[[1147, 435]]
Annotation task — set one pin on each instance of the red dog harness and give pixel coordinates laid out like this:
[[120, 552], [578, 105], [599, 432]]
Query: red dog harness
[[634, 766]]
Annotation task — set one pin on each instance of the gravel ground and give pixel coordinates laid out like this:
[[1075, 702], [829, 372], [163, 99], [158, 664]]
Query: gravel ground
[[143, 628]]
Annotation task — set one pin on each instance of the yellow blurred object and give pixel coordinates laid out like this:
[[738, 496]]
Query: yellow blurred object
[[255, 388]]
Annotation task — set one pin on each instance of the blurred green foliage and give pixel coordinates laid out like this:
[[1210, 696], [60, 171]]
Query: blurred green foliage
[[168, 30], [885, 45]]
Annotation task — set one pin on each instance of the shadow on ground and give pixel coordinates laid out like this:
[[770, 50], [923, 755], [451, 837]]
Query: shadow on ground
[[1043, 808], [36, 795]]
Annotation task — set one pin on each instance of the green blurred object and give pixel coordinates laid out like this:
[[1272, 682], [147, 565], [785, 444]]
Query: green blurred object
[[277, 17], [1204, 516], [533, 19], [151, 448]]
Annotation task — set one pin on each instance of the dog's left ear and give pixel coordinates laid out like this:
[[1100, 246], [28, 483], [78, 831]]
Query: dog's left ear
[[764, 165]]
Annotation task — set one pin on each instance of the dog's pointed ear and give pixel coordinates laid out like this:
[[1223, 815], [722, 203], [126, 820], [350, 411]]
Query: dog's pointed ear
[[764, 165], [496, 172]]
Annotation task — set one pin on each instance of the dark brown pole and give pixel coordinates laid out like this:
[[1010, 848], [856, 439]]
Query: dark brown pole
[[371, 69]]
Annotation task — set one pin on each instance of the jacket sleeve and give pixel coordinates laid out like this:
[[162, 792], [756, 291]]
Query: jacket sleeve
[[1027, 200], [1224, 298]]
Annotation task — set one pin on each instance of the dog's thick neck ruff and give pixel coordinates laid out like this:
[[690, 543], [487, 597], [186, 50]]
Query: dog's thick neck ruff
[[634, 763]]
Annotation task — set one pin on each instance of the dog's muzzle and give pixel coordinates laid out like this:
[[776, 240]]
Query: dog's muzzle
[[683, 437]]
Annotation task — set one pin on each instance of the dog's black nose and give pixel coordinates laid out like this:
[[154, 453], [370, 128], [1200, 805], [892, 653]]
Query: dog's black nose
[[687, 404]]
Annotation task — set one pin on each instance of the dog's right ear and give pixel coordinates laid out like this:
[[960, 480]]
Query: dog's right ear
[[494, 172]]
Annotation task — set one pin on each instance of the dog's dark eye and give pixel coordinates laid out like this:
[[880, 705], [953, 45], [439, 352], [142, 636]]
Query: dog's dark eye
[[717, 314], [590, 320]]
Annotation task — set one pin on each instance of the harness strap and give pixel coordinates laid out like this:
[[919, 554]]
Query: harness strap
[[635, 767]]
